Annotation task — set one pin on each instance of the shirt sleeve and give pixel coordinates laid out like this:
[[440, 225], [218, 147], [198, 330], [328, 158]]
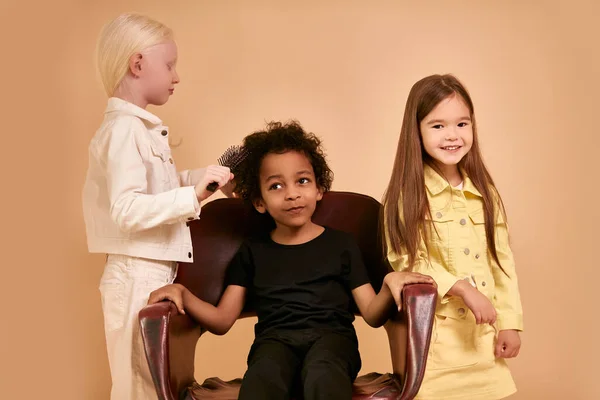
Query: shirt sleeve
[[191, 177], [444, 279], [239, 270], [131, 207], [423, 264], [507, 297], [355, 272]]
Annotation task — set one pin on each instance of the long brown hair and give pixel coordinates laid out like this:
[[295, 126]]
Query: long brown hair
[[407, 184]]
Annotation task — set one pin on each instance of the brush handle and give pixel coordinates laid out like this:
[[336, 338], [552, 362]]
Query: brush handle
[[212, 187]]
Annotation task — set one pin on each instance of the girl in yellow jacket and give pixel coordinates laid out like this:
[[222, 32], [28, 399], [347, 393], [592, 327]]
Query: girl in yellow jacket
[[445, 218]]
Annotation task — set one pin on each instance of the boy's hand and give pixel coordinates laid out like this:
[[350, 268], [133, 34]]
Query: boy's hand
[[395, 281], [480, 305], [508, 344], [214, 173], [170, 292]]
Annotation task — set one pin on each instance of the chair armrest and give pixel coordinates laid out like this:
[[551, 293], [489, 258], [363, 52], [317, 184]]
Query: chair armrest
[[409, 334], [170, 342]]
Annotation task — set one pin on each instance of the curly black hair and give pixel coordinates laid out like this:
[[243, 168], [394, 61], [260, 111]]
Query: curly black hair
[[279, 138]]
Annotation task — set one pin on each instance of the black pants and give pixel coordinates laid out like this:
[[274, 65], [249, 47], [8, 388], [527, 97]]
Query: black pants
[[323, 365]]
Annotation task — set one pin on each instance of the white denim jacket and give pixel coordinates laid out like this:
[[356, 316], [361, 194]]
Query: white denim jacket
[[134, 201]]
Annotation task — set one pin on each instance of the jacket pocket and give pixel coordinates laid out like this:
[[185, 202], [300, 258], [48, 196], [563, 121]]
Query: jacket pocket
[[478, 220], [439, 226], [477, 217], [454, 338], [486, 342], [161, 168]]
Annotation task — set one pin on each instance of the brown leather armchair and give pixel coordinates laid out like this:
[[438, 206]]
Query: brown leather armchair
[[170, 338]]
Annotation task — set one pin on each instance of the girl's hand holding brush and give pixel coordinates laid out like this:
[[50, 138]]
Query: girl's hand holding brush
[[233, 158], [215, 175]]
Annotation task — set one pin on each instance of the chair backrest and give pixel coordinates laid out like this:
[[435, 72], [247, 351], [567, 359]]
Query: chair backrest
[[225, 223]]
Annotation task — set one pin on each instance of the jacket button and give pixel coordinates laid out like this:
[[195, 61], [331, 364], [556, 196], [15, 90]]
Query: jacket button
[[190, 255], [467, 251], [461, 311], [164, 133], [477, 256], [463, 221], [439, 215], [483, 283]]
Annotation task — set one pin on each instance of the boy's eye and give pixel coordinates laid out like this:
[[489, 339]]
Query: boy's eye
[[303, 181], [463, 124], [275, 186]]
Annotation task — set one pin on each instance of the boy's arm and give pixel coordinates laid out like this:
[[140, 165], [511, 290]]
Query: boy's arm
[[376, 308], [220, 319], [217, 320]]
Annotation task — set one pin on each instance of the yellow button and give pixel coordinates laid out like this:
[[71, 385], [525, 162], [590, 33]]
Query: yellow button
[[461, 311], [463, 221]]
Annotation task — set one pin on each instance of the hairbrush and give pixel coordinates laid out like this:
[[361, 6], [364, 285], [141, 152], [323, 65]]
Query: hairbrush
[[231, 159]]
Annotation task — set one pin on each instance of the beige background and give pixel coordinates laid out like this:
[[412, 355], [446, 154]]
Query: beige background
[[344, 69]]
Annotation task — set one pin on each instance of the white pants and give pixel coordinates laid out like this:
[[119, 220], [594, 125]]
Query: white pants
[[125, 287]]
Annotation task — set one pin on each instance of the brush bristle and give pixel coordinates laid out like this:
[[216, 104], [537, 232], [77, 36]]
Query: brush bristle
[[233, 157]]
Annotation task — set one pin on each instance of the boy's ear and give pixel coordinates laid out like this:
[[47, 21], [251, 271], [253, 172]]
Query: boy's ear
[[319, 194], [135, 64], [260, 206]]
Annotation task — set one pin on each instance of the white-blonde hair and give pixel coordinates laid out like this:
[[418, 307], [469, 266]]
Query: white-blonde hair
[[120, 39]]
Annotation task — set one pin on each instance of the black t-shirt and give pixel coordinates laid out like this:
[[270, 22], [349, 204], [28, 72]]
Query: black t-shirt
[[305, 286]]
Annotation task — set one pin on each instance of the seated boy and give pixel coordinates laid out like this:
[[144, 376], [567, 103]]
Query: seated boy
[[301, 277]]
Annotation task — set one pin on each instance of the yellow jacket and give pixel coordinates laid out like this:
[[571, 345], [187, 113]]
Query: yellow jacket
[[459, 250]]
